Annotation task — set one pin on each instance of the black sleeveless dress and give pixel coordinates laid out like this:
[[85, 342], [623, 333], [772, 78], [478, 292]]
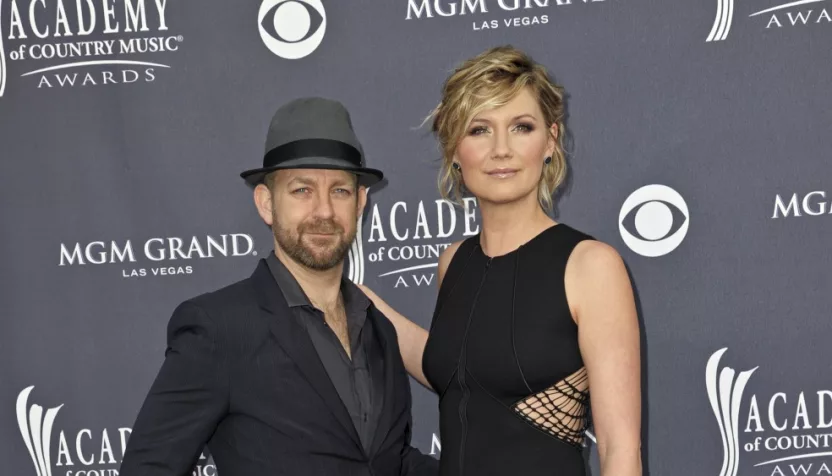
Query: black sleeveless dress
[[503, 357]]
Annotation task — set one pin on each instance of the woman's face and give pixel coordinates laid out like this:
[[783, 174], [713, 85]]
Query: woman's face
[[503, 149]]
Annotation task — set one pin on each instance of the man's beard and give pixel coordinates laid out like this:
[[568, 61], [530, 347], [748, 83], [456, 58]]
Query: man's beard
[[314, 257]]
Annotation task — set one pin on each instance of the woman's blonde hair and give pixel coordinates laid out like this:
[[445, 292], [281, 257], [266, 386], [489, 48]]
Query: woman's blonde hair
[[490, 80]]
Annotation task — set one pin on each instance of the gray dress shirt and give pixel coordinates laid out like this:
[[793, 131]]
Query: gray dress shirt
[[352, 378]]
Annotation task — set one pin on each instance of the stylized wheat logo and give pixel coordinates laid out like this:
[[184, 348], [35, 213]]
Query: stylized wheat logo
[[722, 23], [725, 394], [36, 429]]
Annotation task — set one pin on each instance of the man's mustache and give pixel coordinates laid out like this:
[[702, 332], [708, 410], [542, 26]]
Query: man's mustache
[[326, 227]]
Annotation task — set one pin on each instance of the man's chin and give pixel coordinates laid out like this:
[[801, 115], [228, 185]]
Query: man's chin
[[323, 257], [322, 264]]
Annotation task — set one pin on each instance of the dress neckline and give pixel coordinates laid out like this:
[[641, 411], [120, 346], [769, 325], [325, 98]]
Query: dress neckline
[[516, 250]]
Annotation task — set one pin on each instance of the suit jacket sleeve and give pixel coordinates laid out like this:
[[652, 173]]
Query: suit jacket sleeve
[[186, 401], [414, 463]]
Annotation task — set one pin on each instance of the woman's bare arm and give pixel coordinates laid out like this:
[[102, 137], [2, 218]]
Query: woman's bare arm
[[412, 337]]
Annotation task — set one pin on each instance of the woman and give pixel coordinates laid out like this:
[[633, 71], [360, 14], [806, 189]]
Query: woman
[[535, 320]]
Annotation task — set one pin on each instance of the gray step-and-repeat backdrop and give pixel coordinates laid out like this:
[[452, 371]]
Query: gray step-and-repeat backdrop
[[700, 135]]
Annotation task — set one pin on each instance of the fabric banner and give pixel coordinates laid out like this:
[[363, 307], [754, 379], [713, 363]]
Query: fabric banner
[[698, 134]]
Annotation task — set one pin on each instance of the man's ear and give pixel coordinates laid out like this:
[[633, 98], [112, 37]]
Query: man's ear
[[264, 202], [362, 200]]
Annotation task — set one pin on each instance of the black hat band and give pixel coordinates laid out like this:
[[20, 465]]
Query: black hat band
[[303, 148]]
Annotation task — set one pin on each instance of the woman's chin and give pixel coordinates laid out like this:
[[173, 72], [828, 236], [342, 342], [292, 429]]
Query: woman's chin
[[503, 197]]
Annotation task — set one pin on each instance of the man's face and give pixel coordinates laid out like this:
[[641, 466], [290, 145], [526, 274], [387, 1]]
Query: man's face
[[313, 214]]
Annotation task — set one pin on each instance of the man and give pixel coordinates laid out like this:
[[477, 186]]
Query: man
[[292, 371]]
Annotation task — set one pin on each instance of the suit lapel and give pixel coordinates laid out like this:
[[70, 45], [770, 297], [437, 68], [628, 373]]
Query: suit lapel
[[383, 370], [295, 341]]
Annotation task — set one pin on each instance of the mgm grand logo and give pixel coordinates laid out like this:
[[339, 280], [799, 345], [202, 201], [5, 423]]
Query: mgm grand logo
[[166, 256]]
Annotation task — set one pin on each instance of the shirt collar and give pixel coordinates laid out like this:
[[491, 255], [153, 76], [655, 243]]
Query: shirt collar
[[354, 298]]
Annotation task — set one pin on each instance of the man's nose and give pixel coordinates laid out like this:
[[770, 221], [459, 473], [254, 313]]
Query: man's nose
[[324, 207]]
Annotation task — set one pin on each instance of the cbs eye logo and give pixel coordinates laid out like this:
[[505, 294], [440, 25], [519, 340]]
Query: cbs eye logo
[[292, 29], [654, 220]]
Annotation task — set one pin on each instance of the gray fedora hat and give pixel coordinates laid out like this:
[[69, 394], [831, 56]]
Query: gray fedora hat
[[312, 133]]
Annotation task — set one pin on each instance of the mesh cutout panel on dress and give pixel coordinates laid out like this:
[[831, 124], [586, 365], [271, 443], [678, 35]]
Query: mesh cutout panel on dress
[[560, 410]]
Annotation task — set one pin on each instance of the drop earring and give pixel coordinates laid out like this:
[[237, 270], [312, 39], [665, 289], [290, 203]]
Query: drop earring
[[547, 160], [456, 166]]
